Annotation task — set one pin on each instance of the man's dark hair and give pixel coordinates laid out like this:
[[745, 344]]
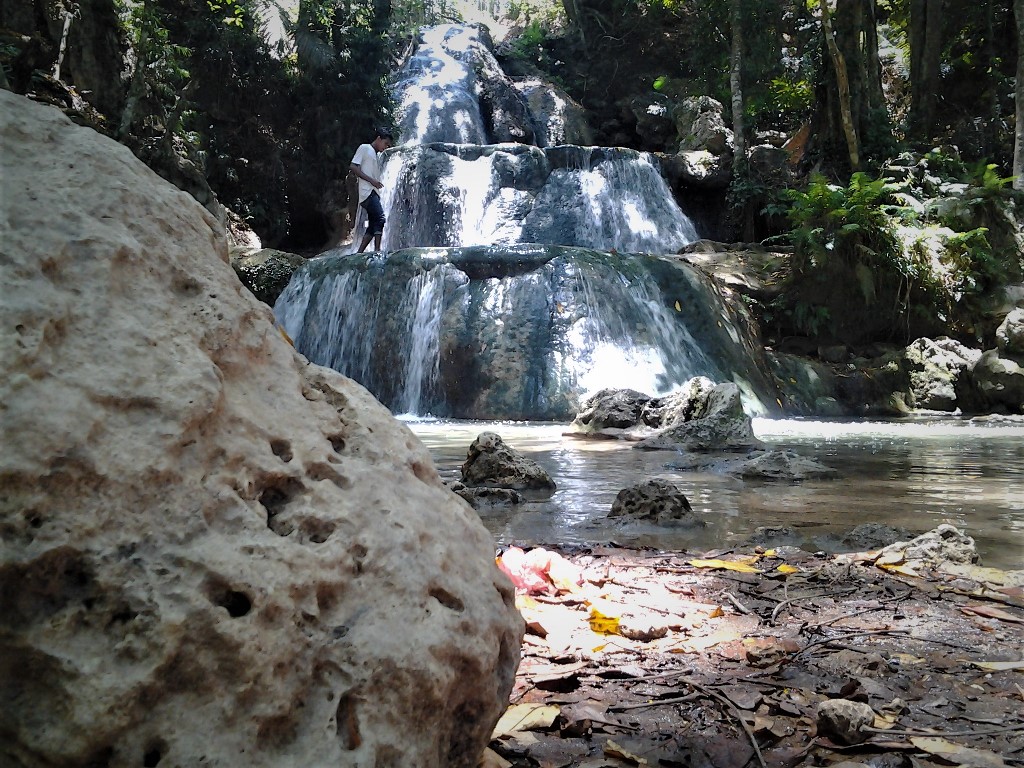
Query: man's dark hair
[[384, 133]]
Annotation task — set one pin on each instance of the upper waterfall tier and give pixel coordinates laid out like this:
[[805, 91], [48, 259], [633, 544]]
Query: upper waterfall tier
[[449, 195]]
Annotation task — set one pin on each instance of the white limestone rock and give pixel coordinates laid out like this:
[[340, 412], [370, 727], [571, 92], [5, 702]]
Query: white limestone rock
[[211, 551]]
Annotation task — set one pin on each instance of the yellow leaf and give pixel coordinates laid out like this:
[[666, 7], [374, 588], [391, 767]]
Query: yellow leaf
[[903, 570], [999, 666], [525, 717], [907, 659], [611, 749], [606, 625], [678, 307], [728, 565], [716, 613], [955, 753], [784, 568]]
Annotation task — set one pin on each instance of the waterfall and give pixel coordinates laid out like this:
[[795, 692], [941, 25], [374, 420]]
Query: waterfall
[[515, 332], [513, 279]]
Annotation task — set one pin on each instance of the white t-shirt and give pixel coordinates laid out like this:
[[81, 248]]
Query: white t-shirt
[[366, 158]]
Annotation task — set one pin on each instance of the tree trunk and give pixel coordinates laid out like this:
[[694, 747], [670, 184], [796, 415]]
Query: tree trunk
[[736, 84], [843, 80], [1018, 144], [926, 37]]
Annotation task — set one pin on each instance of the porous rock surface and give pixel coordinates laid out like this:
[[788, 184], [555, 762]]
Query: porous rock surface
[[211, 552], [493, 463], [655, 500]]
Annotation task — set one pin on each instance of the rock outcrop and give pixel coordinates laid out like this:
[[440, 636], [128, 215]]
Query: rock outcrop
[[492, 463], [211, 551], [654, 500], [265, 271], [700, 416], [995, 381]]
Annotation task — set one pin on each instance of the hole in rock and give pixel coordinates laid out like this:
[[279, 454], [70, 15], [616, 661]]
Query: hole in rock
[[323, 471], [235, 603], [348, 723], [154, 753], [447, 599], [337, 442], [282, 449], [318, 531]]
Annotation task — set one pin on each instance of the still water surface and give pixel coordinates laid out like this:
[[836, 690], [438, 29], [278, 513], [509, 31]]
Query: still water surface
[[909, 474]]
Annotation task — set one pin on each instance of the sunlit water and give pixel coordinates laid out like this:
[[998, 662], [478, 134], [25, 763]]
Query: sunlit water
[[910, 475]]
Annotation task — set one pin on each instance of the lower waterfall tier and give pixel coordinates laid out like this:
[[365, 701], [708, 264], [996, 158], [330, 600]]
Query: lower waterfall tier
[[519, 332]]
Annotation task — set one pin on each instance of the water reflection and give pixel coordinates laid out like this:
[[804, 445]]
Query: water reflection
[[911, 474]]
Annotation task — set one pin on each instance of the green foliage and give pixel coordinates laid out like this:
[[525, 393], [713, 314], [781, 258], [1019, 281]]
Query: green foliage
[[850, 223], [854, 254]]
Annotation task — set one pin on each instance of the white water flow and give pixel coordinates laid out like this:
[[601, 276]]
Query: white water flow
[[427, 291], [629, 338]]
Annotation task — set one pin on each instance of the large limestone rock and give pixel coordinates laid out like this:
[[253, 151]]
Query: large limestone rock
[[934, 367], [211, 552]]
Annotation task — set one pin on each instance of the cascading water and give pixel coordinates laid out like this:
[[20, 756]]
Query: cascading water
[[514, 332], [512, 280]]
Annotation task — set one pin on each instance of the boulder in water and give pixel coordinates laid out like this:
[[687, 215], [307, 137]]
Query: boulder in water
[[782, 466], [211, 551], [654, 500], [719, 425], [493, 463]]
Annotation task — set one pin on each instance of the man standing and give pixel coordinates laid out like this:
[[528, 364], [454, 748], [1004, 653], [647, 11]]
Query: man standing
[[366, 167]]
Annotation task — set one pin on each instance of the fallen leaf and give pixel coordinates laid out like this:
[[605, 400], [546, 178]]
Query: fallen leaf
[[991, 612], [999, 666], [602, 623], [956, 753], [785, 568], [902, 570], [491, 759], [525, 717], [743, 566], [611, 749]]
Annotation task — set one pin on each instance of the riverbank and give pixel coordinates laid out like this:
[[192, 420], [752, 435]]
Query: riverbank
[[724, 660]]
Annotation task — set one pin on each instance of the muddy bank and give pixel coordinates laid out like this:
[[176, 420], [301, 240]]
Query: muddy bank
[[724, 660]]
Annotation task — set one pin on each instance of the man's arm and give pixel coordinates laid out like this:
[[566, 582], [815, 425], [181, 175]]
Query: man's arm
[[357, 171]]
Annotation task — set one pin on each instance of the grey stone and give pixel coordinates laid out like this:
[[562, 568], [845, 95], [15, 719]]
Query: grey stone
[[844, 720], [934, 368], [701, 125], [610, 409], [720, 425], [491, 462], [783, 466], [1010, 334], [654, 500], [212, 551], [265, 272]]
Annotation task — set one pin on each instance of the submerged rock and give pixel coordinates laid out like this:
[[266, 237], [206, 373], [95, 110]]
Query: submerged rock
[[211, 551], [782, 465], [654, 500], [494, 464]]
